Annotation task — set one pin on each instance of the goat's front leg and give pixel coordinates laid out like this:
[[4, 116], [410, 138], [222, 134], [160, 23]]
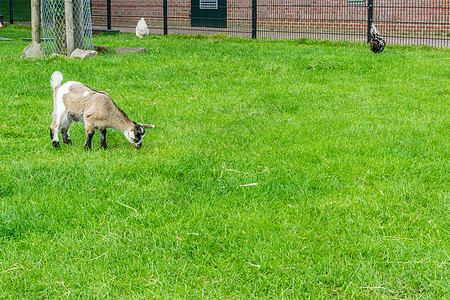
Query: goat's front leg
[[89, 134], [103, 138]]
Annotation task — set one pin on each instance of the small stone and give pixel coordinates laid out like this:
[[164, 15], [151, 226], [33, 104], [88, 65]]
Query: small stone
[[82, 54], [33, 50], [102, 49], [123, 50], [53, 55]]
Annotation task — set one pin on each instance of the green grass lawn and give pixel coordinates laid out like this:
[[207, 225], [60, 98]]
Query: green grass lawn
[[278, 169]]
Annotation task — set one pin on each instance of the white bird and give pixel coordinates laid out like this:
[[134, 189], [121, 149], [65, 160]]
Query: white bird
[[141, 29]]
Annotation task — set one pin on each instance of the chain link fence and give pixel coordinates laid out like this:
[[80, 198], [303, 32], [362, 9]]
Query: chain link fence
[[53, 25]]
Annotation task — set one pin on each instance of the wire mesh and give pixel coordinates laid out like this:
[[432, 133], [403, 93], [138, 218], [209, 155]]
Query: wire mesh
[[53, 23]]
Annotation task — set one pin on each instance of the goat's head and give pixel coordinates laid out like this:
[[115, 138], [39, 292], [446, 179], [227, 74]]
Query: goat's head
[[137, 133]]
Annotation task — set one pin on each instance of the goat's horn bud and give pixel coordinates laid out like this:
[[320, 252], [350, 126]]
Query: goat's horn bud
[[146, 125]]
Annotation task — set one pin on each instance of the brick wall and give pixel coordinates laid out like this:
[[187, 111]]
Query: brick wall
[[402, 16]]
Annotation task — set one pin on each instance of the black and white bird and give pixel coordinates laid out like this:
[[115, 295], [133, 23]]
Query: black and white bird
[[377, 43]]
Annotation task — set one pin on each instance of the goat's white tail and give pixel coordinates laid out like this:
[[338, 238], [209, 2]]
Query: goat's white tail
[[56, 79]]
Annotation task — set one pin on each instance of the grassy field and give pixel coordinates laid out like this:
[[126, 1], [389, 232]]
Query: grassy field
[[278, 169]]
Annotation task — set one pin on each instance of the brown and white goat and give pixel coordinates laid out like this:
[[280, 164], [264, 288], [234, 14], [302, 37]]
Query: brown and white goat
[[74, 101]]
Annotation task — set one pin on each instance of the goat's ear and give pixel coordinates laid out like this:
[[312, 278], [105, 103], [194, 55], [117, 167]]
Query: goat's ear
[[146, 125]]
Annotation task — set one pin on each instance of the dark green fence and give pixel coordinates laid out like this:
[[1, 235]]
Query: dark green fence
[[15, 10], [399, 21]]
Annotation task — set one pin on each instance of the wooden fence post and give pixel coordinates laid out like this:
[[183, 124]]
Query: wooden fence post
[[69, 26], [35, 21]]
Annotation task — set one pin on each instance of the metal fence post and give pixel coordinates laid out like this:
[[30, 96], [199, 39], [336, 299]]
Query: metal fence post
[[108, 14], [11, 19], [369, 18], [165, 17], [254, 18]]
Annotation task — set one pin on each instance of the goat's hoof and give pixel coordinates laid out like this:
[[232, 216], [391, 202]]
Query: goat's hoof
[[56, 144], [68, 142]]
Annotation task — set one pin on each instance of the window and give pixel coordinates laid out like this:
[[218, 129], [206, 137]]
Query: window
[[356, 2], [209, 4]]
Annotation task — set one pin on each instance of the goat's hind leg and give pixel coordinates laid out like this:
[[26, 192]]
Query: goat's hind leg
[[62, 122], [54, 130]]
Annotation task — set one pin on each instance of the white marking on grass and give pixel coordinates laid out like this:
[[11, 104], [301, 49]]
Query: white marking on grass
[[128, 207], [66, 293], [248, 184], [378, 287], [17, 266], [99, 256], [253, 265], [151, 281], [243, 185], [408, 262], [6, 271], [231, 170], [396, 238], [265, 169]]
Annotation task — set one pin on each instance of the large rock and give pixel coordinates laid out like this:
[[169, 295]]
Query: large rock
[[33, 50], [102, 49], [123, 50], [82, 54]]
